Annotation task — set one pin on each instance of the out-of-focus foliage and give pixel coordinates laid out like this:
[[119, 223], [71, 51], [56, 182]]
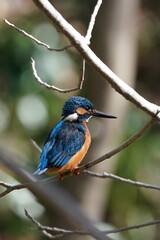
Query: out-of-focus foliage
[[27, 110], [140, 161]]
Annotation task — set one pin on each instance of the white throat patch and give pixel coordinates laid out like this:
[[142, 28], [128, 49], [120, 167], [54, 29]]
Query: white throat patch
[[71, 117]]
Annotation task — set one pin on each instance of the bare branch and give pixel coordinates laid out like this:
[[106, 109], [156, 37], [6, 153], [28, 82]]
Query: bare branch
[[88, 37], [82, 74], [51, 236], [36, 145], [80, 44], [10, 188], [137, 226], [119, 148], [38, 79], [121, 179], [53, 197], [35, 39], [59, 232], [92, 22], [52, 229]]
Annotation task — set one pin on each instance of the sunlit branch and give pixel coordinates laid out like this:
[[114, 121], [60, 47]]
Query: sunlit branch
[[35, 39], [80, 44], [92, 22]]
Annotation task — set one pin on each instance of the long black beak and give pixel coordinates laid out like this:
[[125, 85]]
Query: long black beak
[[96, 113]]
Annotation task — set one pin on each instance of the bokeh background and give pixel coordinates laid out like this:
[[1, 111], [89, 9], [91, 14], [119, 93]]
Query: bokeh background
[[127, 38]]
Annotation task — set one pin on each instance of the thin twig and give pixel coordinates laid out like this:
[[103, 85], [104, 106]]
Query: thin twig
[[82, 74], [92, 21], [121, 179], [51, 229], [88, 38], [10, 187], [137, 226], [36, 145], [63, 232], [51, 236], [120, 147], [35, 39], [38, 79]]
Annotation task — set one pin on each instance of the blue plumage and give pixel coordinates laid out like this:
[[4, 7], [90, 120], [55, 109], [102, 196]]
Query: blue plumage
[[69, 140], [63, 142]]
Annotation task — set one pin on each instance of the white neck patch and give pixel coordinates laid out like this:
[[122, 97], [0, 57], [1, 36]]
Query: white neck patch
[[71, 117]]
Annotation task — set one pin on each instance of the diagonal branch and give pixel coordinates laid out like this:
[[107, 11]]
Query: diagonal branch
[[54, 197], [120, 147], [81, 45], [10, 188]]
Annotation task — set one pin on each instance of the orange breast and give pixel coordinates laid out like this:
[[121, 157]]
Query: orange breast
[[77, 158]]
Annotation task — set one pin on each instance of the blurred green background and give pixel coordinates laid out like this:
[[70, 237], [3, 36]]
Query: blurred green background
[[28, 111]]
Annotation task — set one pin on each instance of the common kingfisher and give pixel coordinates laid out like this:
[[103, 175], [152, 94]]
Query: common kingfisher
[[68, 142]]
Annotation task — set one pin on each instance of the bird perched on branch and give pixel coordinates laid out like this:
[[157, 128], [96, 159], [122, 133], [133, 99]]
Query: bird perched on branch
[[69, 140]]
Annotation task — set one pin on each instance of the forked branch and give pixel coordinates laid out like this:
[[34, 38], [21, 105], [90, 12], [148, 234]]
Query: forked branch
[[81, 45]]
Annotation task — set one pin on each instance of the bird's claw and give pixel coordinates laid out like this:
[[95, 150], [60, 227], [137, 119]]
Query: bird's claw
[[75, 171]]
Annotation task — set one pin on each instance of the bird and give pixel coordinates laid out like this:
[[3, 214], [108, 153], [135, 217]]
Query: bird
[[68, 142]]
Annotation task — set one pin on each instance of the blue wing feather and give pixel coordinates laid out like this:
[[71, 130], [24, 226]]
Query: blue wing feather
[[62, 143]]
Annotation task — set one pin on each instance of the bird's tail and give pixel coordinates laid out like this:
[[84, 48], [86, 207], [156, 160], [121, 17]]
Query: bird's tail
[[40, 171]]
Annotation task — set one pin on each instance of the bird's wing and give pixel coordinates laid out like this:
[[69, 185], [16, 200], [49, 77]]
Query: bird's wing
[[68, 141], [61, 144]]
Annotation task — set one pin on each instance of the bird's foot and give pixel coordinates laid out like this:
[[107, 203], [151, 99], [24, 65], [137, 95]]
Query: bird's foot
[[75, 171], [61, 176]]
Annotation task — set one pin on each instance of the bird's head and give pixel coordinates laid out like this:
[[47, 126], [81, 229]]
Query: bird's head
[[81, 109]]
